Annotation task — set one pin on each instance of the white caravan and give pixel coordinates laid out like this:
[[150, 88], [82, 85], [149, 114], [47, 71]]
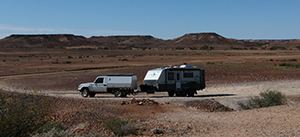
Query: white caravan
[[182, 81]]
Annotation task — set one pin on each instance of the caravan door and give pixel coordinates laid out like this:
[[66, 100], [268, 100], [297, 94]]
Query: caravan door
[[178, 81]]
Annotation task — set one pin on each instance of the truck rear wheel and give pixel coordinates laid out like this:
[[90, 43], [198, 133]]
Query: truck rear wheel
[[85, 92], [120, 94]]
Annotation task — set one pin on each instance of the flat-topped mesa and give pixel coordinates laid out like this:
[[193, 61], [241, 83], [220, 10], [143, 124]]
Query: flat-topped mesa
[[45, 37], [126, 39], [209, 40], [41, 40], [203, 38]]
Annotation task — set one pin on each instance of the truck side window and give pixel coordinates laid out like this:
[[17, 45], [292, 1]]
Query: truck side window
[[170, 75], [99, 80]]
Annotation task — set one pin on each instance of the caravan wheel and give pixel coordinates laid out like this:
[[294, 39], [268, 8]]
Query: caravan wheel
[[191, 92], [171, 93]]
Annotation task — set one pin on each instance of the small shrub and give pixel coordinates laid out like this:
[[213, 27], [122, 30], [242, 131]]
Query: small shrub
[[277, 48], [266, 99], [111, 55], [179, 48], [124, 59], [292, 60], [22, 114], [289, 65], [54, 132], [193, 48], [50, 126], [120, 127], [157, 131], [205, 47], [210, 62], [143, 48], [67, 62], [285, 64]]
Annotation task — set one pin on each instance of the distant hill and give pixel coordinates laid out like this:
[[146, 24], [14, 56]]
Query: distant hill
[[40, 41], [131, 41], [205, 38], [192, 41]]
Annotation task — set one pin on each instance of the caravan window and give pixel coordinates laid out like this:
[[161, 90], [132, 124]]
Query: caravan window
[[188, 74], [170, 75]]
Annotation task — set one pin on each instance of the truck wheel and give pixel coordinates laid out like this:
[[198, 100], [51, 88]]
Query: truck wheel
[[85, 92], [92, 94], [171, 93], [117, 93], [120, 94], [191, 92]]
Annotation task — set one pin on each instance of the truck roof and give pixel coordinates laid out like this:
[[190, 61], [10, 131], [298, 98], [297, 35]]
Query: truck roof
[[119, 74]]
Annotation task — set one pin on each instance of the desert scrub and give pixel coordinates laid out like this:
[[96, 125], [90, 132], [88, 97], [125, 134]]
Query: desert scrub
[[265, 99], [289, 65], [120, 127], [22, 114], [157, 131]]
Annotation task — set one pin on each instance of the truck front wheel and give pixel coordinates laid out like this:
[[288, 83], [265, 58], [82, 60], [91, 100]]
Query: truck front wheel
[[85, 92]]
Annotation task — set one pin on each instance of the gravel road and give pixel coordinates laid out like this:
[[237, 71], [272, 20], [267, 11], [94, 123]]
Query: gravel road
[[227, 94]]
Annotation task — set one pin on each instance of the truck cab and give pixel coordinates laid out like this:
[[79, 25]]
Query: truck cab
[[118, 84], [100, 84]]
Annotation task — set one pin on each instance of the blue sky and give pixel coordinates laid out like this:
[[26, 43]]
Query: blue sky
[[165, 19]]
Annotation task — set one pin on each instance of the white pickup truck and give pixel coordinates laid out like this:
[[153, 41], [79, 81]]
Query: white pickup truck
[[118, 84]]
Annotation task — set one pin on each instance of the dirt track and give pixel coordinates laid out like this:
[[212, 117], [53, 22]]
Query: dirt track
[[226, 94]]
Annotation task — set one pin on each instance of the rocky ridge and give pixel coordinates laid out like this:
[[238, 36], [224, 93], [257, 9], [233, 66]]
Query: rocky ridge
[[192, 40]]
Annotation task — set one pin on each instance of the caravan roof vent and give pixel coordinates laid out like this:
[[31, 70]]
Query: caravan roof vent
[[186, 66]]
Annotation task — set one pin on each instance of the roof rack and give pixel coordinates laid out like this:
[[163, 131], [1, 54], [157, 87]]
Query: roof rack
[[119, 74]]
